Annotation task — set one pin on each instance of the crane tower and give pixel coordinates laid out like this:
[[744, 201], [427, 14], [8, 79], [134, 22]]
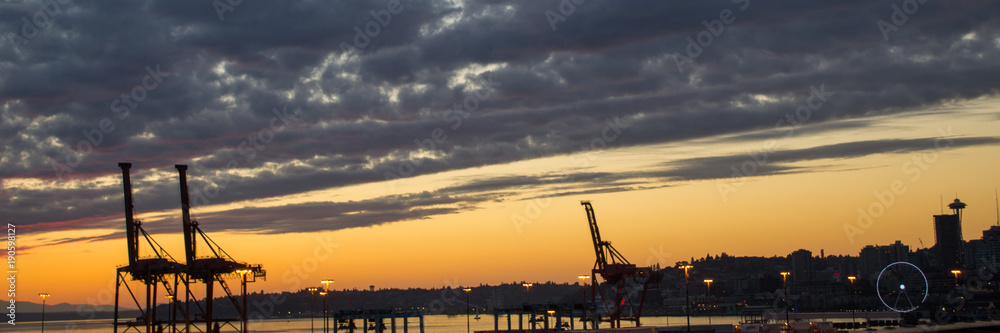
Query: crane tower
[[625, 278]]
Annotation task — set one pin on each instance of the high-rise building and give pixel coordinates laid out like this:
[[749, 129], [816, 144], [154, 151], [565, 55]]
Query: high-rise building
[[948, 235], [874, 258], [988, 250], [802, 266]]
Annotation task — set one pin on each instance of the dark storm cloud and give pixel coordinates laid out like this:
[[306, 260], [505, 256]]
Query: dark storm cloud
[[468, 195], [777, 162], [360, 114], [292, 218]]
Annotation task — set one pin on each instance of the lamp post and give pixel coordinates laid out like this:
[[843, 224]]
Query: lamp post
[[956, 272], [170, 303], [708, 294], [527, 289], [468, 323], [853, 305], [584, 304], [323, 294], [243, 314], [687, 297], [784, 285], [326, 304], [312, 309], [44, 295]]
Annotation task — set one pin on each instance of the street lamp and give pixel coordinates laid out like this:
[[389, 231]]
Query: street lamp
[[584, 304], [784, 285], [170, 303], [956, 272], [527, 289], [44, 295], [708, 292], [243, 276], [326, 300], [853, 305], [468, 324], [687, 297], [312, 309], [323, 294], [552, 314]]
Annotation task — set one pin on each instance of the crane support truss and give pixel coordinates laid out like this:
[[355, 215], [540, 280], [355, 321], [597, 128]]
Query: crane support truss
[[629, 282], [162, 271]]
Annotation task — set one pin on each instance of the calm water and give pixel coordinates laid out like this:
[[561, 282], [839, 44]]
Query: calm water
[[432, 324]]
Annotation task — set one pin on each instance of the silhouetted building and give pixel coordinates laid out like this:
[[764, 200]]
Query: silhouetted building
[[970, 253], [875, 258], [948, 234], [802, 266], [987, 250]]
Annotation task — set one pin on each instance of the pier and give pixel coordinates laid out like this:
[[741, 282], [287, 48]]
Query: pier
[[374, 320]]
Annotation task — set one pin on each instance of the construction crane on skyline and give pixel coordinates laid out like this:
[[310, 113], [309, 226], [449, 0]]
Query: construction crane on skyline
[[618, 272]]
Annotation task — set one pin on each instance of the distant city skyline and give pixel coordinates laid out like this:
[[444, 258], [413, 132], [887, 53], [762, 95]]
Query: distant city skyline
[[451, 142]]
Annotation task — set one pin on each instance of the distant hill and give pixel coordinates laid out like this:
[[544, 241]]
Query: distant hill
[[30, 311], [31, 307]]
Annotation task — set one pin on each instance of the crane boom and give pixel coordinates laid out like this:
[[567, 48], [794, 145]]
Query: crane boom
[[189, 228], [210, 270], [617, 272], [595, 234], [131, 226]]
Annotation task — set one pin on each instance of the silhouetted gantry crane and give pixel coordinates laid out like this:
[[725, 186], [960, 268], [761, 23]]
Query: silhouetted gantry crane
[[213, 268], [621, 274], [152, 272], [159, 270]]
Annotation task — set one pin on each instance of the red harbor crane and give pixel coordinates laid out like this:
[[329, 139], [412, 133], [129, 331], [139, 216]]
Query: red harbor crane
[[624, 277]]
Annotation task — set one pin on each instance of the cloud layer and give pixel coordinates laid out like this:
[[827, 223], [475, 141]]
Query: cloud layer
[[278, 98]]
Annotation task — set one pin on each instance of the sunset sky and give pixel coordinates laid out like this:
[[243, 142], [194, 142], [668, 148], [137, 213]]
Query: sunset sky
[[433, 143]]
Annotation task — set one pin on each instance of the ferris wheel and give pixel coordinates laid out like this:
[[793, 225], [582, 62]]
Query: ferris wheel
[[902, 286]]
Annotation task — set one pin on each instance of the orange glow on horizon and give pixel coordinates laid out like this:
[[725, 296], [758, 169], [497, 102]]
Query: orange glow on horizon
[[500, 241]]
